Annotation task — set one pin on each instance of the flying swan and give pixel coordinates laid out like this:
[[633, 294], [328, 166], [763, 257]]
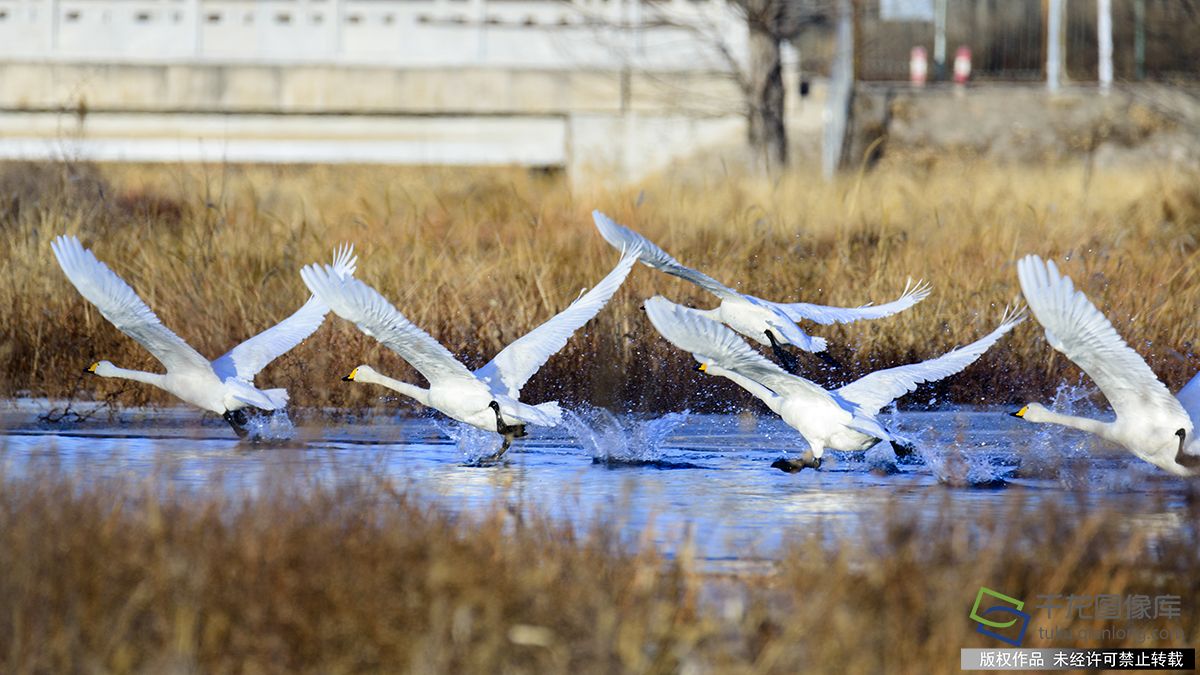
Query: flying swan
[[843, 419], [224, 386], [1151, 423], [487, 398], [767, 323]]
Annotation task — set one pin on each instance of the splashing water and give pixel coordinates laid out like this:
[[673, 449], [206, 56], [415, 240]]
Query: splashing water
[[472, 443], [270, 427], [610, 441]]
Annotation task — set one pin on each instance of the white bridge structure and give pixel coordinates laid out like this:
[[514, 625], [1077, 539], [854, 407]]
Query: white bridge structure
[[617, 86], [542, 34]]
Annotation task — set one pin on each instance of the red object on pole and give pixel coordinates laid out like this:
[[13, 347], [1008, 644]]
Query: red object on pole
[[962, 65], [918, 67]]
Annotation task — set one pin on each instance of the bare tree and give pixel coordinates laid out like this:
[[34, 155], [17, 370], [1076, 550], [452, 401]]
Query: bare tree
[[759, 74]]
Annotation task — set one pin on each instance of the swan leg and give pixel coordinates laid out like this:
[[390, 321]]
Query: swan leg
[[905, 451], [238, 420], [1183, 459], [806, 461], [508, 431], [789, 362]]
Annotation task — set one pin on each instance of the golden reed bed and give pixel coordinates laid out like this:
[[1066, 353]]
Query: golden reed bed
[[132, 577], [478, 257]]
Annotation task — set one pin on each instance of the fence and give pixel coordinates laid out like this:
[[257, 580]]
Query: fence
[[1152, 39]]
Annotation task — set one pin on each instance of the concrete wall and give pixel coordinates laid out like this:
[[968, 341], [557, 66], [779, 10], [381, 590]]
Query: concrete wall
[[590, 122]]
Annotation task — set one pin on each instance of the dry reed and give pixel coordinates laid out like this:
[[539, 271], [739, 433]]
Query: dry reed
[[124, 576], [479, 257]]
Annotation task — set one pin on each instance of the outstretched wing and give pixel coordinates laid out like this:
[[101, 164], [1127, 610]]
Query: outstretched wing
[[363, 306], [712, 342], [825, 314], [1189, 398], [123, 308], [247, 359], [874, 391], [624, 239], [516, 363], [1077, 329]]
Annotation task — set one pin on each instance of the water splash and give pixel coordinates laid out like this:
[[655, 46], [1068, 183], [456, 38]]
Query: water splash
[[959, 463], [270, 427], [472, 443], [611, 441]]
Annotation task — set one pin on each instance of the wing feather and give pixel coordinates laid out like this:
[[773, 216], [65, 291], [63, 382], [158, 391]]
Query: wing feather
[[516, 363], [247, 359], [712, 342], [1083, 334], [363, 306], [123, 308], [624, 239], [826, 314], [874, 391]]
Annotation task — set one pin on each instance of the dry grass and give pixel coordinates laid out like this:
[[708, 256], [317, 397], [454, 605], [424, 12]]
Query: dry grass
[[131, 577], [480, 257]]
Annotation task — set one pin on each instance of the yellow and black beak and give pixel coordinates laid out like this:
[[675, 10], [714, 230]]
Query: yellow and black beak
[[351, 376], [701, 367], [1021, 412], [92, 368]]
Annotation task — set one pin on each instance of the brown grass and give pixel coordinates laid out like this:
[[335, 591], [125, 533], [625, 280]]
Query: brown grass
[[133, 577], [480, 257]]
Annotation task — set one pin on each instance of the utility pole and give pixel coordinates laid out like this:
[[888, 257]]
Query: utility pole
[[841, 92], [1104, 37], [1054, 45], [939, 40], [1139, 39]]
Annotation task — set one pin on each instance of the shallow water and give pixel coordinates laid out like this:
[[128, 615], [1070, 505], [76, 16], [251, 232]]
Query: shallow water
[[703, 476]]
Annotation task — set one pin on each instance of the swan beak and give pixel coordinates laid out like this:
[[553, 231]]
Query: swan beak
[[350, 377], [92, 368], [701, 367], [1021, 412]]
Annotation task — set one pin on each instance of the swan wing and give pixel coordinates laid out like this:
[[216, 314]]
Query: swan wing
[[712, 342], [1189, 398], [825, 314], [624, 239], [363, 306], [874, 391], [516, 363], [1083, 334], [247, 359], [123, 308]]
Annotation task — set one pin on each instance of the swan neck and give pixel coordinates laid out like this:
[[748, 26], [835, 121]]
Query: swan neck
[[761, 392], [410, 390], [155, 379], [1081, 423]]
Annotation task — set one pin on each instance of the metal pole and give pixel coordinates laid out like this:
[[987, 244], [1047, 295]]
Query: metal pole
[[837, 103], [1104, 36], [939, 40], [1054, 26], [1139, 39]]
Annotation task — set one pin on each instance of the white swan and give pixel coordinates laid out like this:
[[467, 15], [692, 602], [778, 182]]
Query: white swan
[[767, 323], [842, 419], [487, 398], [224, 386], [1151, 423]]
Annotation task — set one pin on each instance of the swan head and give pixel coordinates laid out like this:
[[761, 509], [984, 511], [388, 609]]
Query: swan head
[[101, 368], [1033, 412], [361, 374]]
